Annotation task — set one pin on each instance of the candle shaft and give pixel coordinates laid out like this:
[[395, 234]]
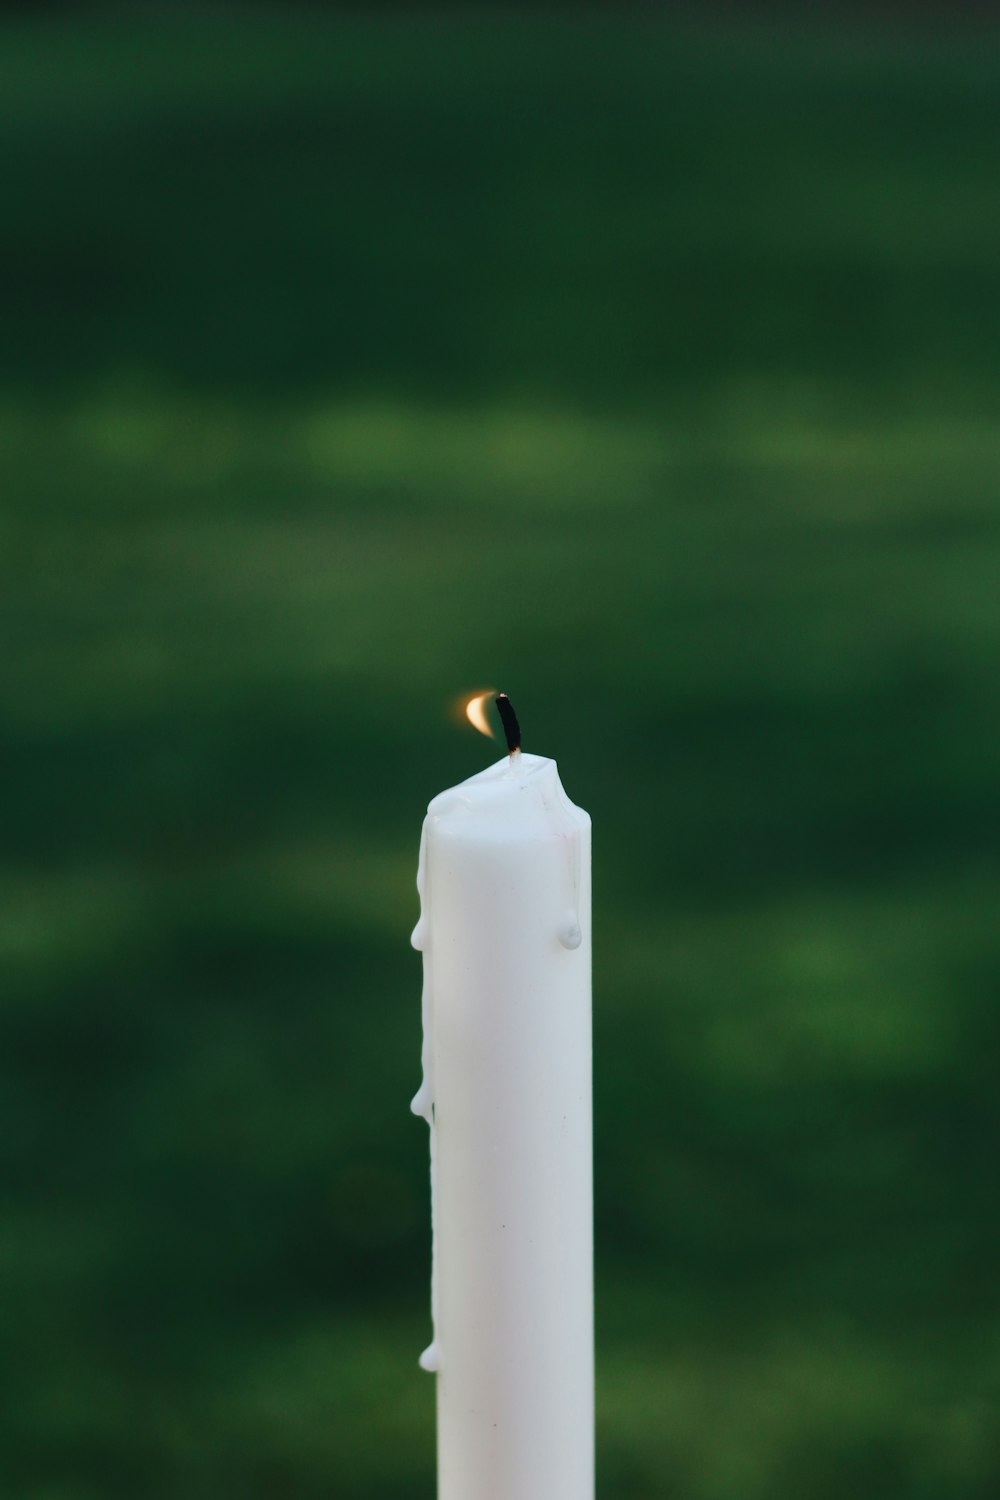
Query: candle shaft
[[505, 931]]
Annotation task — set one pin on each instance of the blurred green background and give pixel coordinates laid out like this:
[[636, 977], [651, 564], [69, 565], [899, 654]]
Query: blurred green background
[[647, 367]]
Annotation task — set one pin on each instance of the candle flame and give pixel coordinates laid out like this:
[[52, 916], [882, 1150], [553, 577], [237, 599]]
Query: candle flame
[[475, 712]]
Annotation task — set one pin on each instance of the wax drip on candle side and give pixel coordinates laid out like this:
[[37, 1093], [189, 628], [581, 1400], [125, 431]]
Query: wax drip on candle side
[[422, 1103], [568, 931], [570, 935]]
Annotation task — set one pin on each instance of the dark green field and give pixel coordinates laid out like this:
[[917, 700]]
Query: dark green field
[[650, 371]]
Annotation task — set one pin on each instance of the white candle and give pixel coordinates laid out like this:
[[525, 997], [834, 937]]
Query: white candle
[[504, 881]]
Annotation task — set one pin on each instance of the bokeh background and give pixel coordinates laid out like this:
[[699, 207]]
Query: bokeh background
[[644, 364]]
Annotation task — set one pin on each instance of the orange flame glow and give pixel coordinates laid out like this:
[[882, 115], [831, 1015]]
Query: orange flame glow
[[475, 711]]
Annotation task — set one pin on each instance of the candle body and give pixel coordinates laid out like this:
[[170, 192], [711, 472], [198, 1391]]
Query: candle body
[[505, 930]]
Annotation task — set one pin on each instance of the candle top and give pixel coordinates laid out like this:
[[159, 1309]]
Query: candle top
[[518, 797]]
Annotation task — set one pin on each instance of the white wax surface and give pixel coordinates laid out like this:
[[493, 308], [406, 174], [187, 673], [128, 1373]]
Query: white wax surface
[[505, 931]]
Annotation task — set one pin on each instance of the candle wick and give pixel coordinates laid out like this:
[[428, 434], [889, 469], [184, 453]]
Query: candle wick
[[511, 728]]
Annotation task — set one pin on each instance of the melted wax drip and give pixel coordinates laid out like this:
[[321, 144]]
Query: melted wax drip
[[422, 1103], [569, 933]]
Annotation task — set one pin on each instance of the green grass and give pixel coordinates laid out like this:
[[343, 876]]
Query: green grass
[[648, 371]]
